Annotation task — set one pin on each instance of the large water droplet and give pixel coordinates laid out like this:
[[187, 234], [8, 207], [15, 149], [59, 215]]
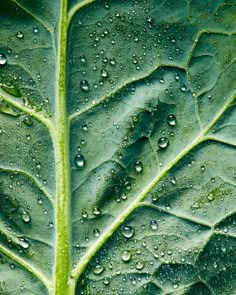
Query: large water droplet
[[84, 85], [79, 161], [127, 231], [126, 255], [171, 120], [3, 59], [163, 142], [98, 269], [138, 166]]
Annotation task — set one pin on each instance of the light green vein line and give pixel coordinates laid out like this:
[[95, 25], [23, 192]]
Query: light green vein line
[[11, 100], [220, 140], [33, 15], [175, 214], [76, 8], [35, 182], [27, 266], [80, 267]]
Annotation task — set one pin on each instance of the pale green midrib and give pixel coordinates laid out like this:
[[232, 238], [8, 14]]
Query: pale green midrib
[[80, 267], [61, 146], [27, 266]]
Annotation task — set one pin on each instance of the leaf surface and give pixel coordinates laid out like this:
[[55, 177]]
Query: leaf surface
[[117, 147]]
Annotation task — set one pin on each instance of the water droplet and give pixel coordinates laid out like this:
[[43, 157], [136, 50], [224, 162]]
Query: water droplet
[[126, 255], [84, 214], [83, 59], [139, 265], [171, 120], [210, 197], [96, 232], [84, 85], [173, 180], [35, 29], [28, 121], [163, 142], [96, 211], [98, 269], [3, 59], [25, 217], [177, 77], [153, 224], [138, 166], [127, 231], [149, 19], [24, 243], [104, 73], [19, 35], [183, 88], [79, 161], [203, 168], [106, 281]]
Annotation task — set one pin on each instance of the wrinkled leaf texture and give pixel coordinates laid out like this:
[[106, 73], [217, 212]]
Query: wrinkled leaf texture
[[117, 147]]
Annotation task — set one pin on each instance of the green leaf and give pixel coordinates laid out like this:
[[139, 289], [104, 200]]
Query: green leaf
[[117, 147]]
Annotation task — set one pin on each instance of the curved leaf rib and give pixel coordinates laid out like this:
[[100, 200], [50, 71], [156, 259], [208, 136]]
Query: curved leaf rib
[[80, 267], [27, 266]]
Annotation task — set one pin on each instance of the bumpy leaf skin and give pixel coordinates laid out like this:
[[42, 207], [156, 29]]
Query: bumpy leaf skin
[[117, 147]]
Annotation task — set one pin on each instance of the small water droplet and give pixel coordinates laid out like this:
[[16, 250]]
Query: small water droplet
[[3, 59], [138, 166], [35, 29], [19, 35], [149, 19], [126, 255], [96, 211], [139, 265], [84, 214], [106, 281], [127, 231], [177, 77], [183, 88], [153, 224], [84, 85], [98, 269], [171, 120], [25, 217], [173, 180], [96, 232], [28, 121], [79, 161], [24, 243], [163, 142], [83, 59], [104, 73], [210, 197]]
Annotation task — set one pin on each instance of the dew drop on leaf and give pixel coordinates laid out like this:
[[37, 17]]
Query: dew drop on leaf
[[19, 35], [126, 255], [138, 166], [127, 231], [3, 59], [139, 265], [79, 161], [96, 211], [25, 217], [98, 269], [153, 224], [28, 121], [35, 29], [163, 142], [171, 120], [83, 59], [104, 73], [84, 85], [106, 281], [24, 243], [183, 88]]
